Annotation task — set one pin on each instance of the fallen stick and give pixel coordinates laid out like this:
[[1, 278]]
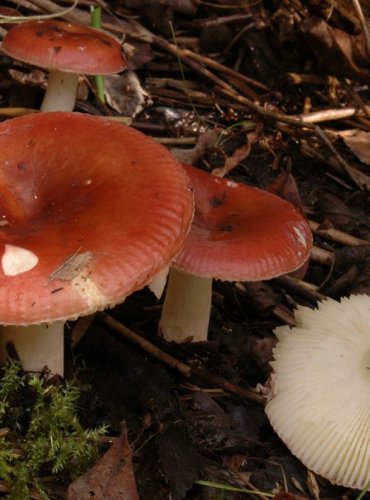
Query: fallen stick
[[184, 369], [336, 235]]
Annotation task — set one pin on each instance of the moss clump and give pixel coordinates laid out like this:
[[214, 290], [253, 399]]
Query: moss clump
[[40, 433]]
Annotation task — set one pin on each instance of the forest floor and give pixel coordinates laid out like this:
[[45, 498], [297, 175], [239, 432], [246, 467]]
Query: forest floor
[[266, 90]]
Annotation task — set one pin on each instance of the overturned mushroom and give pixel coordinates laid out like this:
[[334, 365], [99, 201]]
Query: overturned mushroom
[[239, 233], [320, 401], [83, 223]]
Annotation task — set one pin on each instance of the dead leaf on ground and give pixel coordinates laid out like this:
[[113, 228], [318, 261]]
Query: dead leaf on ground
[[263, 296], [358, 141], [239, 154], [361, 284], [260, 349], [285, 186], [206, 143], [137, 53], [180, 462], [340, 53], [336, 211], [338, 287], [125, 94], [111, 477], [216, 429]]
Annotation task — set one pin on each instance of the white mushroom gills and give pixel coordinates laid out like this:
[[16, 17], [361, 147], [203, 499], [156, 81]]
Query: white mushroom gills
[[320, 402]]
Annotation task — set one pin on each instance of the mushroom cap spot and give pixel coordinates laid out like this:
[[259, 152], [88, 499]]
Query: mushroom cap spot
[[63, 46], [241, 232], [103, 207], [320, 403], [16, 260]]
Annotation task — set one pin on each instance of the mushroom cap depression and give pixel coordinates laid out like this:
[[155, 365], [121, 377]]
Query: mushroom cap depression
[[63, 46], [320, 404], [90, 210], [241, 233]]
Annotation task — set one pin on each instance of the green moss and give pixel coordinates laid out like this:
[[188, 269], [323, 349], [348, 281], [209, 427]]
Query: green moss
[[40, 433]]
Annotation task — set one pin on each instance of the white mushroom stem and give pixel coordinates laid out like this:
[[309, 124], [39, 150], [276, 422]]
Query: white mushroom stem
[[61, 91], [36, 345], [158, 283], [187, 308]]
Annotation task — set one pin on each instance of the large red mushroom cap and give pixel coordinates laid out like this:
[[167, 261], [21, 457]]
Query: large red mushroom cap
[[63, 46], [90, 210], [241, 232]]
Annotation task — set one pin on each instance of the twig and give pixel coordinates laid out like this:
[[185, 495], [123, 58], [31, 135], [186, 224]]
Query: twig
[[13, 112], [336, 235], [144, 344], [178, 141], [183, 54], [331, 162], [224, 69], [216, 21], [299, 79], [80, 328], [322, 256], [327, 115], [342, 162], [76, 16], [302, 288], [176, 364], [58, 12], [358, 9]]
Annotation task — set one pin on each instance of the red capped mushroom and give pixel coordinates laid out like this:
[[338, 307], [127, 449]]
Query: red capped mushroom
[[83, 223], [239, 233], [66, 50]]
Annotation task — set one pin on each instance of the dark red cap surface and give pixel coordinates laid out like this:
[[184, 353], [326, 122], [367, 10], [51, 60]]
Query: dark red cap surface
[[100, 207], [241, 233], [63, 46]]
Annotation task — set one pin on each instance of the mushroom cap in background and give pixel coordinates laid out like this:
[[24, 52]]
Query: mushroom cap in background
[[90, 210], [63, 46], [320, 405], [241, 233]]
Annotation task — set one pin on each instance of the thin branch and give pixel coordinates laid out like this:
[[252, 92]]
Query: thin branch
[[184, 369], [360, 14]]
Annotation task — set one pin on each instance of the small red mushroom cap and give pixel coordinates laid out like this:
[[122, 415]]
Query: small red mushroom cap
[[63, 46], [90, 210], [241, 232]]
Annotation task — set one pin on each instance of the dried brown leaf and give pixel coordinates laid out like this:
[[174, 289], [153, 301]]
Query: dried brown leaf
[[125, 94], [339, 52], [111, 478], [336, 211], [239, 154], [206, 143], [232, 161], [358, 141], [181, 463], [285, 186]]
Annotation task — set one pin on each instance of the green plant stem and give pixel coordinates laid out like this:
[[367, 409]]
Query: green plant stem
[[99, 79], [227, 487]]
